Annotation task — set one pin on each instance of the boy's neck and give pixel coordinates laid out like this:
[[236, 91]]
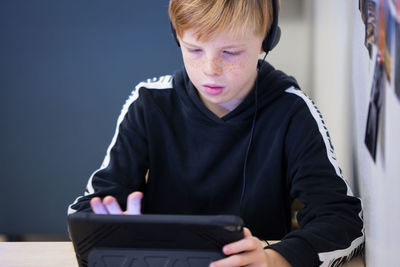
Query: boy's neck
[[221, 110]]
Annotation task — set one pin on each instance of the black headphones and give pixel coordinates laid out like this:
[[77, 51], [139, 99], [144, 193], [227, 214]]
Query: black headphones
[[272, 37]]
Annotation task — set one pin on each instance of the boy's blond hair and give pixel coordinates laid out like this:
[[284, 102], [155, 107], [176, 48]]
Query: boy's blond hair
[[208, 17]]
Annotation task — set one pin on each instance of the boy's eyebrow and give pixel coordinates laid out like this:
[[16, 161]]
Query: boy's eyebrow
[[224, 47]]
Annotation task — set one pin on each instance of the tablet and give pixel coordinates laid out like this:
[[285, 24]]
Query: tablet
[[151, 240]]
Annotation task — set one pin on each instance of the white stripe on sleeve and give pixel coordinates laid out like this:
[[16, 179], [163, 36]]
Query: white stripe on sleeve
[[336, 257]]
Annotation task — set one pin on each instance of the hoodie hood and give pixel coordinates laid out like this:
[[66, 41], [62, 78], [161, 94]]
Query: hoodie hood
[[270, 83]]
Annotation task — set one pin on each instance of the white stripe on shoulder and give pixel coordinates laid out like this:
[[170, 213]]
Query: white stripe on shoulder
[[324, 132], [163, 82]]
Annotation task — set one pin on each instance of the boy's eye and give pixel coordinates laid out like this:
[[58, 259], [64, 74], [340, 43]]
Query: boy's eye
[[232, 53], [194, 50]]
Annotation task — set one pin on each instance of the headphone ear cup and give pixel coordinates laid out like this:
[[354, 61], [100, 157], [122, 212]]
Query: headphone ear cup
[[271, 40], [174, 34]]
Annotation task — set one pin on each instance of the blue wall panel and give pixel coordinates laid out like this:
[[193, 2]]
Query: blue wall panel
[[66, 68]]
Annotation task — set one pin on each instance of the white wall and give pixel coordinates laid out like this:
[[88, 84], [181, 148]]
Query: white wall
[[331, 74], [294, 51], [379, 181]]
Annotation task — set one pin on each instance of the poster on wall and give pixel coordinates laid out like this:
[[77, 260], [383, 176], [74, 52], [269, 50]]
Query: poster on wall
[[382, 34], [397, 51], [368, 14], [374, 108]]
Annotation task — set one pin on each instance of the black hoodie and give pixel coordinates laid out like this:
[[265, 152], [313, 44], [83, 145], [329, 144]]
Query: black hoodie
[[196, 164]]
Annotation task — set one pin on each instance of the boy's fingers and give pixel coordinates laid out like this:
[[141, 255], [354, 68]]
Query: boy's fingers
[[97, 206], [112, 206], [236, 260], [246, 244], [246, 232], [134, 203]]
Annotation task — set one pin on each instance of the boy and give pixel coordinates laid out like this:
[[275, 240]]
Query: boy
[[221, 136]]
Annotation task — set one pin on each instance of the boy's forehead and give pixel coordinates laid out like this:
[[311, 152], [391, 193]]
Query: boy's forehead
[[228, 35]]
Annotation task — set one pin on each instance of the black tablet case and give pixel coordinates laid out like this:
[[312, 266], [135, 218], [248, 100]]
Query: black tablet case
[[151, 240]]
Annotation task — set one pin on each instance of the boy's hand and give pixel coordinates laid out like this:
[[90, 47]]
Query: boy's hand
[[250, 252], [110, 205]]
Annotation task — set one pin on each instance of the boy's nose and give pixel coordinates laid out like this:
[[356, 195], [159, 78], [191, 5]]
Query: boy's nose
[[212, 67]]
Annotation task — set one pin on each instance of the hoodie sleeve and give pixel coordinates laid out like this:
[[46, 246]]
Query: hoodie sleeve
[[331, 226], [125, 164]]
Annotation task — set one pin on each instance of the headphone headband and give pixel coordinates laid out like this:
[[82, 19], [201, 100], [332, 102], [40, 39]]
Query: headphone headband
[[272, 36]]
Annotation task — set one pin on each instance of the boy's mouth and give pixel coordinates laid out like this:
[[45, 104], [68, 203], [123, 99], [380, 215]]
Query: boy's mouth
[[213, 89]]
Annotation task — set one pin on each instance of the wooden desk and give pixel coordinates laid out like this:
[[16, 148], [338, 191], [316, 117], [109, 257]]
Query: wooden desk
[[46, 254], [24, 254]]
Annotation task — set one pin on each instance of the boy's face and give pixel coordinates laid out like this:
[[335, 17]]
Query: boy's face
[[223, 69]]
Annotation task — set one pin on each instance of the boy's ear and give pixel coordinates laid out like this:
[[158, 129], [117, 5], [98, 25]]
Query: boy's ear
[[262, 51]]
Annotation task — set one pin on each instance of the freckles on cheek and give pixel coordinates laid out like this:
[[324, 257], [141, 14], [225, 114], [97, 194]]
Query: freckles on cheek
[[189, 64], [234, 68]]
